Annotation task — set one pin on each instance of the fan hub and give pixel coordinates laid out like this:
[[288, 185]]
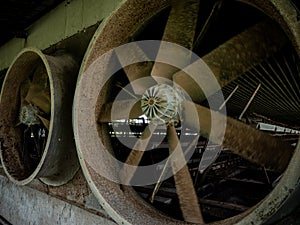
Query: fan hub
[[28, 115], [151, 102], [161, 103]]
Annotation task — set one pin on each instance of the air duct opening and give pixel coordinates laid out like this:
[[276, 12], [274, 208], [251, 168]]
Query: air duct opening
[[36, 132]]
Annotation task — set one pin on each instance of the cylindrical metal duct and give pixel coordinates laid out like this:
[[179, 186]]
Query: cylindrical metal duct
[[94, 140], [35, 120]]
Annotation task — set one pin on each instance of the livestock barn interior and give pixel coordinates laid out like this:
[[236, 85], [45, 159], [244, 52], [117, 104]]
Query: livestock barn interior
[[150, 112]]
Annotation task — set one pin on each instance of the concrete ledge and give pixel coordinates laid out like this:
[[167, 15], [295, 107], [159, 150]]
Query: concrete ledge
[[23, 205]]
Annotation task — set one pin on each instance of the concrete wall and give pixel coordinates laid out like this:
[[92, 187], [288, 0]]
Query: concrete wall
[[67, 19]]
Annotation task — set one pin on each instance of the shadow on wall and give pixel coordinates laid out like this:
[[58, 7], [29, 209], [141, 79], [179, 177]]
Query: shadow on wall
[[2, 75]]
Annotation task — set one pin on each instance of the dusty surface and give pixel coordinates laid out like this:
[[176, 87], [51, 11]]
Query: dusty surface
[[24, 205]]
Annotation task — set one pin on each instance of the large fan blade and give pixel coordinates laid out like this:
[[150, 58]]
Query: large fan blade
[[180, 29], [135, 156], [39, 98], [122, 109], [136, 71], [235, 57], [240, 138], [39, 90], [23, 92], [187, 196], [166, 168], [45, 122]]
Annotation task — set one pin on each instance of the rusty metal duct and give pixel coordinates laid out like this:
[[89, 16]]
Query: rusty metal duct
[[36, 131], [244, 175]]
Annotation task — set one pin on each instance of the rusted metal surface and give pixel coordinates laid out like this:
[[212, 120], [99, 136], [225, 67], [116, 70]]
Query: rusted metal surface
[[120, 110], [243, 51], [180, 29], [236, 56], [278, 97], [123, 28], [230, 187], [186, 193], [285, 14], [120, 201], [58, 161], [137, 70]]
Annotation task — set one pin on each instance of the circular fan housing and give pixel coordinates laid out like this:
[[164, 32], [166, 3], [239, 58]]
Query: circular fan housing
[[57, 162], [92, 139]]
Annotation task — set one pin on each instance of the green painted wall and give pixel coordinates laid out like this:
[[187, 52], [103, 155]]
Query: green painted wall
[[64, 21]]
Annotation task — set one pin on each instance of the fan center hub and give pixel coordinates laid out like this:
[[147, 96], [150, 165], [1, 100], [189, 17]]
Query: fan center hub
[[151, 102], [161, 103], [28, 115]]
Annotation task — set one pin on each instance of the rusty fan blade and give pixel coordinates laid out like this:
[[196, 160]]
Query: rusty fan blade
[[162, 177], [138, 70], [244, 140], [187, 196], [39, 98], [45, 122], [122, 109], [136, 154], [180, 29], [39, 90], [235, 57], [23, 92]]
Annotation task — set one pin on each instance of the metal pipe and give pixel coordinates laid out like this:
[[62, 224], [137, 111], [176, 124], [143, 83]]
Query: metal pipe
[[248, 104]]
